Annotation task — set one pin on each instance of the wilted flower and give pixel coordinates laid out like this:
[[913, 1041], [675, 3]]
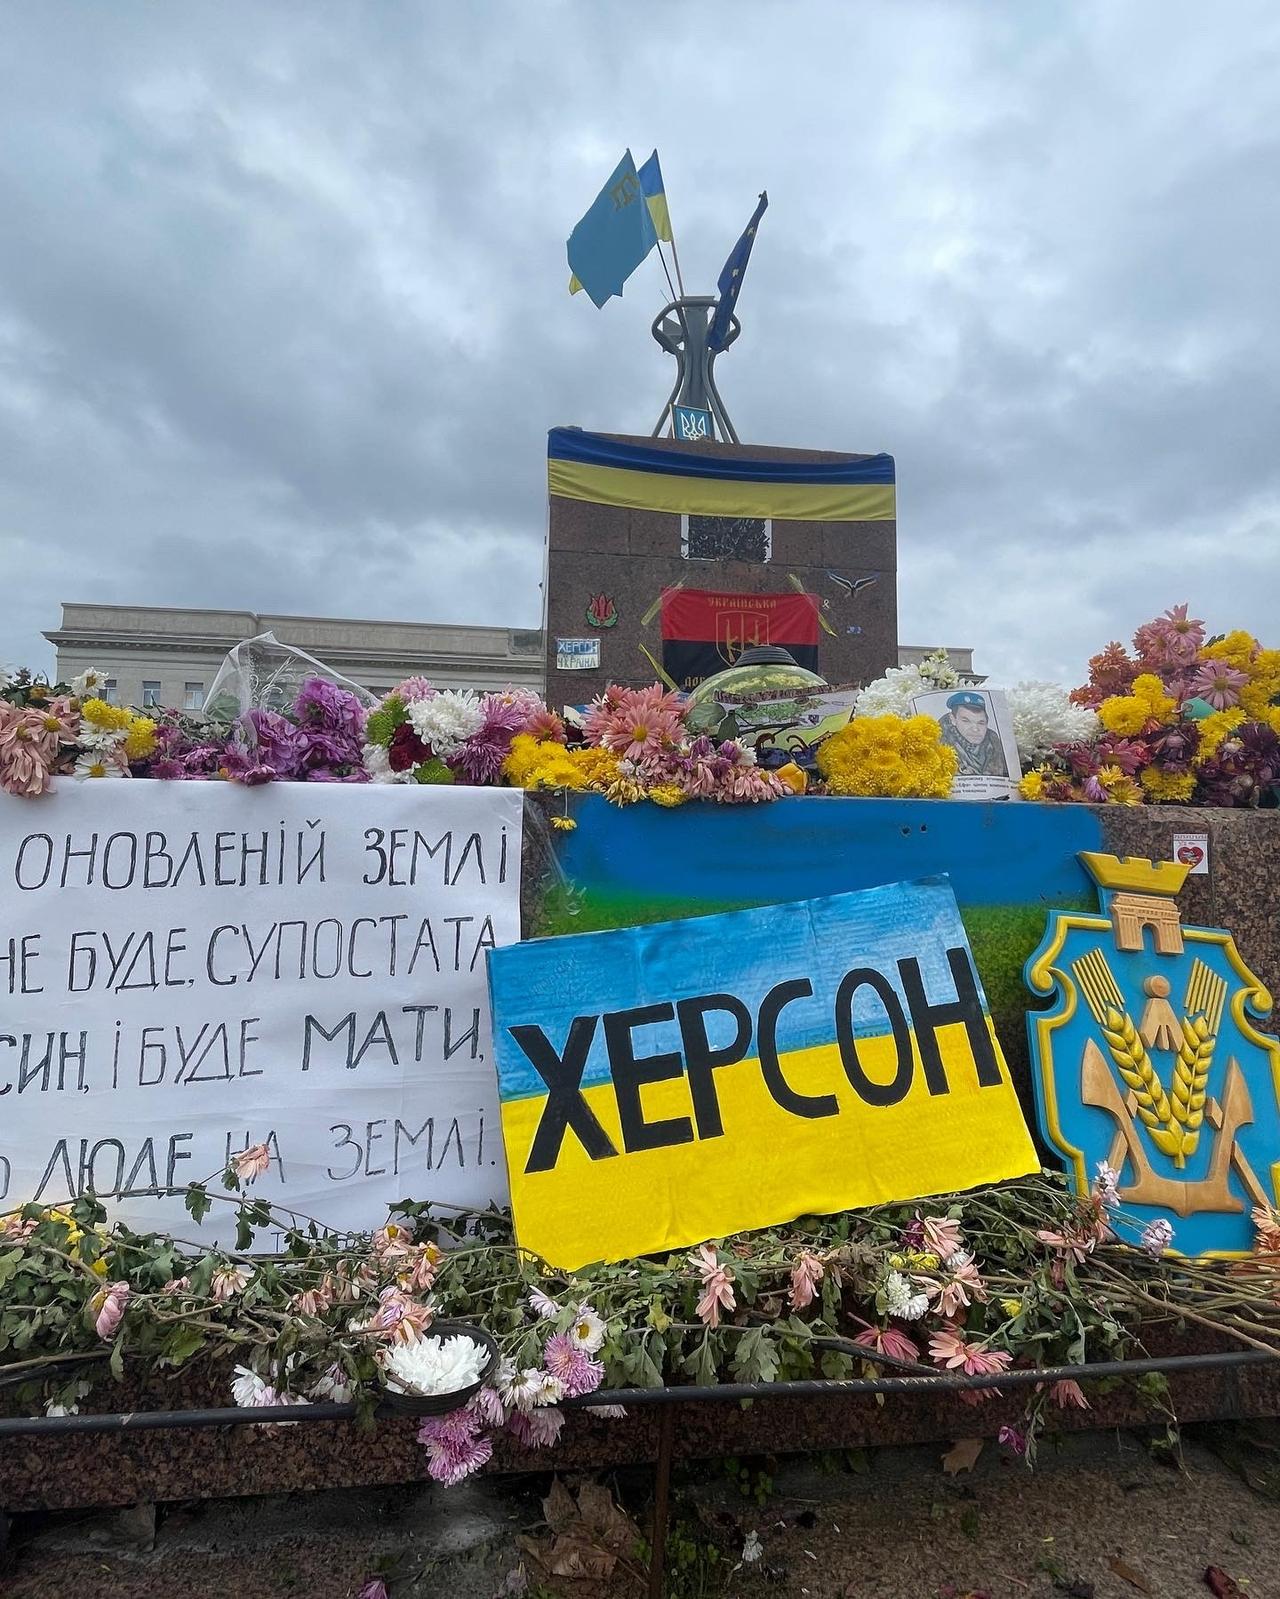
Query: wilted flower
[[889, 1341], [948, 1348], [228, 1281], [536, 1429], [717, 1286], [1156, 1237], [1067, 1394], [941, 1234], [1013, 1439], [109, 1306], [251, 1162], [806, 1274], [544, 1307]]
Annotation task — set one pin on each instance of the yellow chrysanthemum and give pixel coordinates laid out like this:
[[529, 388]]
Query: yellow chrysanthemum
[[1167, 787], [141, 739], [74, 1234], [1011, 1307], [563, 824], [885, 756], [1032, 786], [793, 777], [599, 767], [1127, 714], [109, 718], [667, 794], [1215, 728], [1238, 649]]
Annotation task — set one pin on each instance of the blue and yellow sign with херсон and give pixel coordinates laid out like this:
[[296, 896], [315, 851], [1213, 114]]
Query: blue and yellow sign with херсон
[[1151, 1062], [665, 1084]]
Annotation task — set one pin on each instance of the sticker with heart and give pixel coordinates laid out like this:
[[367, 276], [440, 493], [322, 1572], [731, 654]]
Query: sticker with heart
[[1190, 854]]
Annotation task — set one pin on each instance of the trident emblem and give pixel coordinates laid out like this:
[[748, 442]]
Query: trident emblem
[[1151, 1032]]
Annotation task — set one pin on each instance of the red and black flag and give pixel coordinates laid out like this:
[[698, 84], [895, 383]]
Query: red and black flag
[[704, 632]]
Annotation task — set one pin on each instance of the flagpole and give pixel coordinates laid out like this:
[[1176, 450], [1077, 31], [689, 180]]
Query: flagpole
[[675, 254]]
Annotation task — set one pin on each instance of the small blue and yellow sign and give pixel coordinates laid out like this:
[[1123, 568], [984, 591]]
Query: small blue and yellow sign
[[1151, 1062], [667, 1084]]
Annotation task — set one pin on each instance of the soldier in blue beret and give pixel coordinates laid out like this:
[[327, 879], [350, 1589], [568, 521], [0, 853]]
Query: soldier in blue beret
[[967, 730]]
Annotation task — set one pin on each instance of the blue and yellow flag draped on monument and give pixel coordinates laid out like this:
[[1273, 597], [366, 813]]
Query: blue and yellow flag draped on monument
[[608, 471]]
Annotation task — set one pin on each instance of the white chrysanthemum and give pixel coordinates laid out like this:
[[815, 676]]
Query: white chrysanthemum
[[532, 1388], [96, 764], [432, 1365], [891, 695], [542, 1305], [752, 1548], [7, 675], [61, 1410], [588, 1330], [1043, 716], [333, 1386], [377, 762], [247, 1388], [447, 720], [102, 739], [89, 684], [607, 1412], [899, 1301]]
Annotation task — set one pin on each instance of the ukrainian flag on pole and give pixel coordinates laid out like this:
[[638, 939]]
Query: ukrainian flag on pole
[[617, 233]]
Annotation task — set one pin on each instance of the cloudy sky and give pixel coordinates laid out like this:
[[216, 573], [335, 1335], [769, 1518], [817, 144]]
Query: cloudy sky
[[283, 318]]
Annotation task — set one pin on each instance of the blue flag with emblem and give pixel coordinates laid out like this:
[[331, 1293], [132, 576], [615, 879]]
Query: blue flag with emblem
[[614, 237], [730, 280]]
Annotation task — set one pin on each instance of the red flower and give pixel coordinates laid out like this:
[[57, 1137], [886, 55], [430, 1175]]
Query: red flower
[[601, 611]]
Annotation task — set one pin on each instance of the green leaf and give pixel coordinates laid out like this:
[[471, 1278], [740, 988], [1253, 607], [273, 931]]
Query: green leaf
[[197, 1202], [756, 1358], [117, 1357], [9, 1263], [700, 1363], [182, 1344]]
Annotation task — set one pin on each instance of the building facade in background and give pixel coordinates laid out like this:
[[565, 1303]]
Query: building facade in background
[[157, 655]]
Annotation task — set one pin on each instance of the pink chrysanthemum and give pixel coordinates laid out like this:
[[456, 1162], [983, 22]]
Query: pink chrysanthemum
[[1219, 684], [571, 1366], [889, 1341], [415, 688], [643, 721], [538, 1429], [717, 1286], [455, 1446], [806, 1274], [949, 1349]]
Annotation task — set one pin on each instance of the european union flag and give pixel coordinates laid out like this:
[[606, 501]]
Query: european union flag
[[613, 238], [730, 280]]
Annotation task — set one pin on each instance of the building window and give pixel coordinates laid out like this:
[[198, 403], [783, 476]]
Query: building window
[[150, 692], [111, 691], [193, 697], [726, 538]]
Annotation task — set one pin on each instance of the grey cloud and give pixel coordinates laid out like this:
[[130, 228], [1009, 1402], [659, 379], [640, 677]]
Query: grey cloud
[[283, 316]]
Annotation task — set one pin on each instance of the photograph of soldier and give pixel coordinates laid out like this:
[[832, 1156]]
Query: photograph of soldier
[[966, 728]]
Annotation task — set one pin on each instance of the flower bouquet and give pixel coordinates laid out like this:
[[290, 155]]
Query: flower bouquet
[[439, 1371]]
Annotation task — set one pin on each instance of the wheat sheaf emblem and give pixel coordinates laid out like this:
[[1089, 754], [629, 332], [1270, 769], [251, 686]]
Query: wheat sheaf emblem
[[1173, 1116]]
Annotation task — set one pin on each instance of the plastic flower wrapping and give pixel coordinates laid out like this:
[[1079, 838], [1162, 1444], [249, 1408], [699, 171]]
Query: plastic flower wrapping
[[1182, 719]]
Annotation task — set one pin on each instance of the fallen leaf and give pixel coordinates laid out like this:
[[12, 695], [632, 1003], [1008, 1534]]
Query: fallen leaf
[[961, 1456], [1222, 1586], [1135, 1579]]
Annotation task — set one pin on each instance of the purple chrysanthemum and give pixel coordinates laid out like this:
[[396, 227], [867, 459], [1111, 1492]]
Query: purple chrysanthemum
[[323, 705], [572, 1367]]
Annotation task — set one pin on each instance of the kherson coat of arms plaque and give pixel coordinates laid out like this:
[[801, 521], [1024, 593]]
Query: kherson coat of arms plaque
[[1150, 1060]]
